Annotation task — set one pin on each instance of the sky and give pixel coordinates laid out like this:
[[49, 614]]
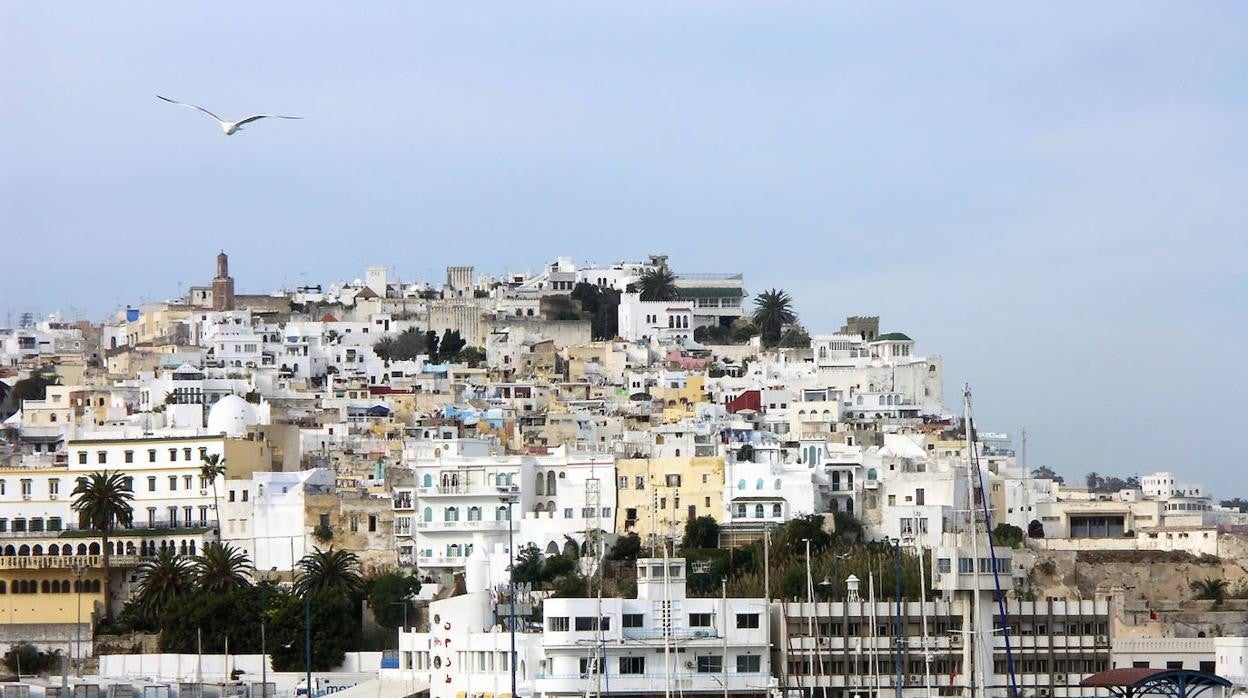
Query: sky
[[1050, 196]]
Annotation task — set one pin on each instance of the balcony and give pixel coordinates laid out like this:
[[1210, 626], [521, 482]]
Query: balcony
[[462, 525], [645, 683], [54, 562], [403, 503], [471, 490]]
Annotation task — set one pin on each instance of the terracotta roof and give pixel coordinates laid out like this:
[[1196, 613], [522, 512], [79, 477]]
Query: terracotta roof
[[328, 317], [1119, 677]]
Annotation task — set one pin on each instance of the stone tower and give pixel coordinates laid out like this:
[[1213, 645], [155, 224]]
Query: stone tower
[[223, 284]]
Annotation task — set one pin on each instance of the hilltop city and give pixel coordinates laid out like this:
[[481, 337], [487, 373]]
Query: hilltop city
[[634, 478]]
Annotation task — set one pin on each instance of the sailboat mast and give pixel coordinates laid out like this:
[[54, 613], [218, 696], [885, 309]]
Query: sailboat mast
[[972, 638]]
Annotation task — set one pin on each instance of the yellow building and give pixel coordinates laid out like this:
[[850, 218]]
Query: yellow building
[[681, 403], [658, 495]]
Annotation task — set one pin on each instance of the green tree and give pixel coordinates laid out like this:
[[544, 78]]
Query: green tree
[[330, 570], [773, 309], [230, 612], [26, 659], [557, 566], [528, 566], [405, 346], [627, 547], [1008, 535], [35, 387], [1044, 472], [1209, 589], [797, 530], [451, 344], [389, 594], [102, 500], [162, 580], [658, 284], [431, 345], [211, 467], [473, 356], [222, 567], [335, 629], [1238, 504], [702, 532]]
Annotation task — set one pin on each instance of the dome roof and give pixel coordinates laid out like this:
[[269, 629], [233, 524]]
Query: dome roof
[[231, 416]]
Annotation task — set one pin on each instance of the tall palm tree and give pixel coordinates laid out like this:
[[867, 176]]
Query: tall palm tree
[[211, 468], [102, 500], [329, 570], [164, 578], [658, 284], [773, 309], [222, 567]]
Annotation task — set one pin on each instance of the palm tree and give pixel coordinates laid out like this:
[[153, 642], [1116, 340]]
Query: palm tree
[[222, 567], [658, 284], [211, 468], [102, 502], [329, 570], [164, 578], [1209, 589], [773, 309]]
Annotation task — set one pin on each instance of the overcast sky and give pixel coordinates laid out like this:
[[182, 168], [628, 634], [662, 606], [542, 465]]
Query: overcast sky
[[1053, 199]]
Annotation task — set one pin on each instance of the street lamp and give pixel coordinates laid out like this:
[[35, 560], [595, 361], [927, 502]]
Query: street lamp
[[897, 616], [509, 496]]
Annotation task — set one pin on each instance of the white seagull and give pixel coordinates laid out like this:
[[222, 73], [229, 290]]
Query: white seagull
[[229, 128]]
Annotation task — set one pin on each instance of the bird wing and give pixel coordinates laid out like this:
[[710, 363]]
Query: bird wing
[[191, 106], [265, 116]]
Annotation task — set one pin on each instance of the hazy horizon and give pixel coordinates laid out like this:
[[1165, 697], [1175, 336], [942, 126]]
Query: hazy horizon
[[1049, 197]]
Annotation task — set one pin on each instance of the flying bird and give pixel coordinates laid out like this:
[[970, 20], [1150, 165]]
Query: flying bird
[[229, 128]]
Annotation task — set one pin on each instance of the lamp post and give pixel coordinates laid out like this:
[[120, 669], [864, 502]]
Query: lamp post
[[264, 652], [509, 496], [78, 569], [897, 614], [836, 574]]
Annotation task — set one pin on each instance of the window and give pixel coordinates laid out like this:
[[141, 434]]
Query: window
[[966, 565], [673, 481], [747, 620], [230, 496], [27, 486], [173, 455], [151, 455], [54, 486], [186, 454], [943, 565], [892, 500], [186, 482], [776, 510], [129, 456], [372, 519], [632, 665], [82, 458], [54, 523], [557, 624], [584, 623], [623, 482], [246, 493], [173, 483], [4, 525], [639, 482], [354, 523], [590, 665], [567, 513], [711, 664], [633, 620], [101, 457], [749, 664], [151, 483], [699, 620]]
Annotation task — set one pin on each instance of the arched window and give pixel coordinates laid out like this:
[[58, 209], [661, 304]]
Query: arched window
[[678, 453], [550, 483], [552, 548], [539, 484], [849, 481], [474, 513], [849, 506], [758, 511], [3, 588], [47, 587], [836, 505], [24, 550], [740, 484], [82, 549], [428, 480], [776, 510], [758, 484], [500, 514], [10, 550], [37, 550], [64, 586], [871, 475], [451, 514], [428, 514]]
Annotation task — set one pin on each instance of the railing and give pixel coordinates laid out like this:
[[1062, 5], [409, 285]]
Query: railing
[[674, 633], [477, 524], [47, 562], [402, 503]]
